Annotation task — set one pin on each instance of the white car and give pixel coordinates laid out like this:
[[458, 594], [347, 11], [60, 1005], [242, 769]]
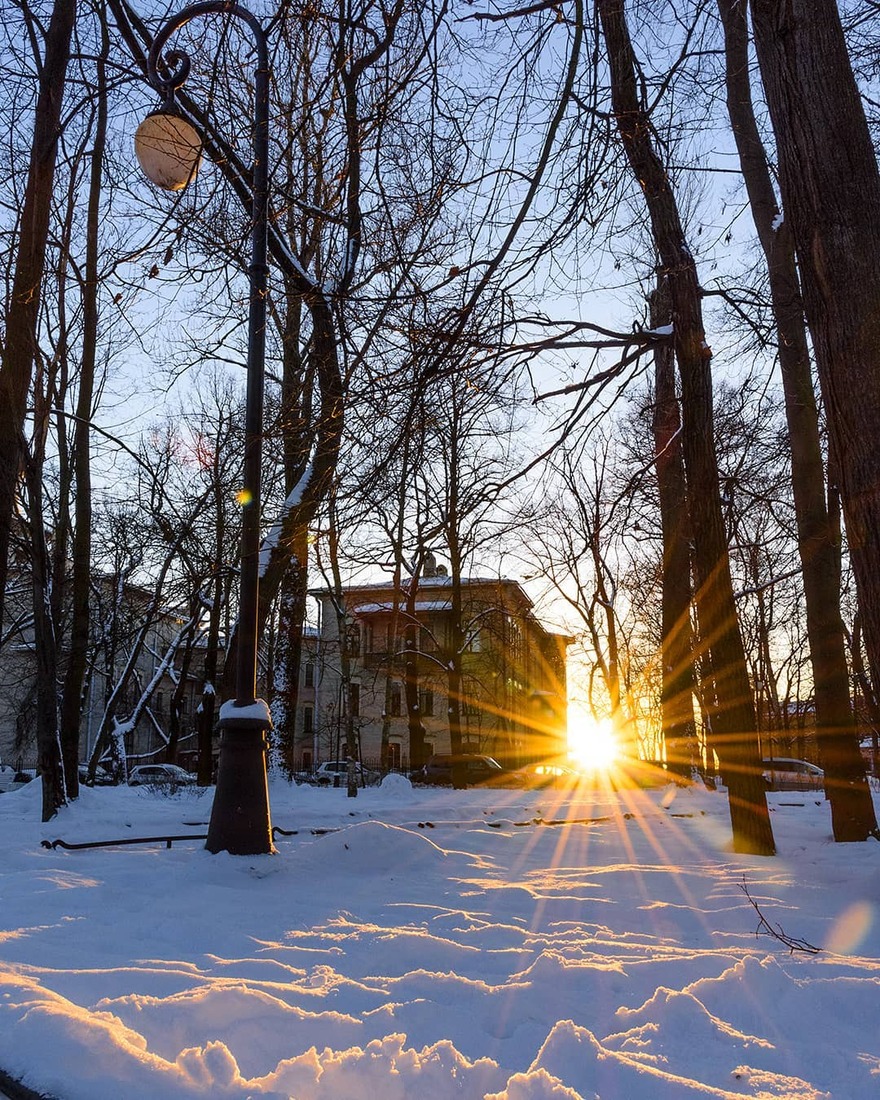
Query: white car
[[160, 775], [784, 773], [330, 771]]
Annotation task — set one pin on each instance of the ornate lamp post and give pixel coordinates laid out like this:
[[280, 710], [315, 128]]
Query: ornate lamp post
[[168, 148]]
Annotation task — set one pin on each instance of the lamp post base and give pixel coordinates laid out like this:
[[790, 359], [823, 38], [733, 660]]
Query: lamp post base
[[240, 820]]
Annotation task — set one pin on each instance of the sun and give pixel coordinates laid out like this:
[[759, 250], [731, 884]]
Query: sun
[[591, 742]]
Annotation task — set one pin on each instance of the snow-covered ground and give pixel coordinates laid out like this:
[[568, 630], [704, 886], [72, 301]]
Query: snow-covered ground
[[440, 944]]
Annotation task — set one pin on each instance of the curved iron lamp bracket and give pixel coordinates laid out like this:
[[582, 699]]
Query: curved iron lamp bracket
[[169, 72]]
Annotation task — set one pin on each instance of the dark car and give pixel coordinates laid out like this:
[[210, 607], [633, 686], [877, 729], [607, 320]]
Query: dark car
[[102, 777], [478, 770]]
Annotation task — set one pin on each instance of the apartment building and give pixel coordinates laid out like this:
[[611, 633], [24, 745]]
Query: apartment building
[[512, 692], [124, 619]]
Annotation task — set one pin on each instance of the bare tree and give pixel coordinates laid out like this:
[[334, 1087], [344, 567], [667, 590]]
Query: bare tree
[[677, 669], [830, 189], [735, 717], [852, 810], [20, 337]]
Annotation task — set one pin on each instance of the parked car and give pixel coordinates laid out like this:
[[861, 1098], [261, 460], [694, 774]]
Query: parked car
[[478, 770], [784, 773], [160, 775], [103, 778], [11, 780], [304, 778], [327, 774], [546, 773]]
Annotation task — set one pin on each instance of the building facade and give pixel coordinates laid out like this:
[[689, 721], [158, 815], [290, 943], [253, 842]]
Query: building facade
[[127, 633], [480, 634]]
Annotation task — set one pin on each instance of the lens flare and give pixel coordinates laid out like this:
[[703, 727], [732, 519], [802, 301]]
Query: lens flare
[[591, 743], [243, 497], [851, 928]]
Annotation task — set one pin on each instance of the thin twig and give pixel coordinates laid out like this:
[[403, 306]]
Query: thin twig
[[778, 933]]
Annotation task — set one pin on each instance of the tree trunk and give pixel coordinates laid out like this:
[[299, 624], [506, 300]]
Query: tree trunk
[[623, 715], [346, 631], [49, 764], [296, 416], [704, 684], [208, 703], [735, 719], [326, 441], [291, 616], [831, 197], [677, 690], [21, 322], [456, 632], [411, 680], [72, 697], [175, 707], [866, 687]]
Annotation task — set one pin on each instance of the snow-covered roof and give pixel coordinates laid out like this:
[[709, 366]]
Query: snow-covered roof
[[352, 590], [421, 605]]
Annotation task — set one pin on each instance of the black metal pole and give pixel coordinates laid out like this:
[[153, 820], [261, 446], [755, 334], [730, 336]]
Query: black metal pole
[[240, 819]]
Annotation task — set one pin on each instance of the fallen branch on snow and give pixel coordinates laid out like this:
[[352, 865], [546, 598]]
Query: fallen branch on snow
[[778, 933]]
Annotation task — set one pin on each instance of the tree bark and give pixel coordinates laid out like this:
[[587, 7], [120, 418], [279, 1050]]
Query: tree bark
[[74, 678], [411, 677], [869, 695], [208, 703], [175, 705], [49, 763], [735, 720], [21, 321], [343, 624], [831, 197], [677, 689], [296, 435], [291, 617], [455, 639]]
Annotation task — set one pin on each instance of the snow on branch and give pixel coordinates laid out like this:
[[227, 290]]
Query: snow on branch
[[294, 499]]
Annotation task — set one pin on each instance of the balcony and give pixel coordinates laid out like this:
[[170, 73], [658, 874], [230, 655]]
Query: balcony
[[381, 658]]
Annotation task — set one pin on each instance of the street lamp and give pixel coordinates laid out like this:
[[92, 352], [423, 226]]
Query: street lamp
[[168, 148]]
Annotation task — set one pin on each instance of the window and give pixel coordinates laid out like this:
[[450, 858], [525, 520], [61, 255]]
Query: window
[[310, 674], [377, 637], [426, 702], [394, 755], [427, 641], [307, 761], [308, 720], [514, 638], [395, 705]]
